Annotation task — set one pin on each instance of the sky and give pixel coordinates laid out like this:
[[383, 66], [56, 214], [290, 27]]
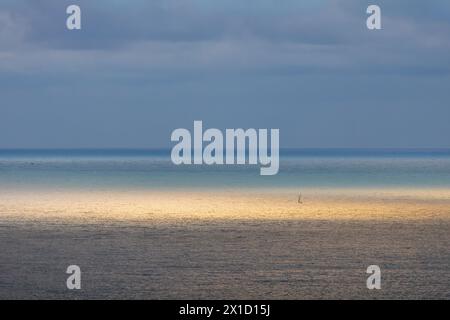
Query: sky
[[139, 69]]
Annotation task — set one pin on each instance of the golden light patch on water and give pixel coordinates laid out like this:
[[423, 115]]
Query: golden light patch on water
[[280, 204]]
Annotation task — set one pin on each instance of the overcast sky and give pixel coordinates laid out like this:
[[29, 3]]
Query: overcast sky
[[139, 69]]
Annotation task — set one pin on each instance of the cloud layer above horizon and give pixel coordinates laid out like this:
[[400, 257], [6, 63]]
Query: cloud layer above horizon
[[137, 70]]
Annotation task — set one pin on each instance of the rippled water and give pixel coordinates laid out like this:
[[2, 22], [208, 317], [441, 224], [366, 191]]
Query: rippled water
[[217, 259], [292, 259]]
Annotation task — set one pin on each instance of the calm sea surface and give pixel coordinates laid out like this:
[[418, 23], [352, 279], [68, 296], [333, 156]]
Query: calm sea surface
[[227, 259], [224, 259], [150, 169]]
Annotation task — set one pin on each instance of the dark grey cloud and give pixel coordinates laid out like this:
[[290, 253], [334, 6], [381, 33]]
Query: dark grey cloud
[[138, 69], [115, 23], [308, 35]]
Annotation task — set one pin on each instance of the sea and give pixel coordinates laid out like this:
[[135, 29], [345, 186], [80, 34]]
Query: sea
[[153, 169], [220, 259]]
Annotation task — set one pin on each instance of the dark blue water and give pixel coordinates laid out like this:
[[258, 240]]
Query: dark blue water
[[153, 169]]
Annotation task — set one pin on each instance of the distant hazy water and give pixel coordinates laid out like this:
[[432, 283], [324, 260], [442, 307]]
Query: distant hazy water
[[152, 169], [217, 259]]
